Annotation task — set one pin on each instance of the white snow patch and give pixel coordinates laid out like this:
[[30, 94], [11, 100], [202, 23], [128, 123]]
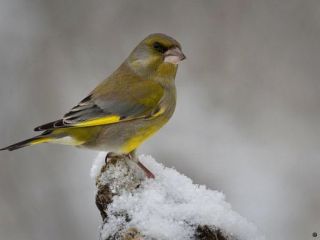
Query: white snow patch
[[98, 162], [170, 206]]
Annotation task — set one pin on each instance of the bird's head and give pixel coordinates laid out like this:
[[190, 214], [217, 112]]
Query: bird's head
[[156, 54]]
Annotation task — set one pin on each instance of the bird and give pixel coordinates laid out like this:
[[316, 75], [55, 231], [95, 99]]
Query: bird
[[126, 108]]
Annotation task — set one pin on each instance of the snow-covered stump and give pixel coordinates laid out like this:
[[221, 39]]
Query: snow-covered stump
[[168, 207]]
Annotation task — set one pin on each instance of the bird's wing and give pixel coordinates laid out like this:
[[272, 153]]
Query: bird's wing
[[120, 103]]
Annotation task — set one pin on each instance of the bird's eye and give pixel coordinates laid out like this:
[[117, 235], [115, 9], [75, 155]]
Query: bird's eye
[[159, 47]]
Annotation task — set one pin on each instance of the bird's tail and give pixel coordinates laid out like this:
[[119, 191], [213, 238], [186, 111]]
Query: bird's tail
[[28, 142]]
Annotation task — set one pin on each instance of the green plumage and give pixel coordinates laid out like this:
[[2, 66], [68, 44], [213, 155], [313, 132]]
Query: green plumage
[[126, 108]]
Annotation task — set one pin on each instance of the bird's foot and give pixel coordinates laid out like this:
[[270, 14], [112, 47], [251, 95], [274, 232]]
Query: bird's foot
[[113, 157], [148, 173]]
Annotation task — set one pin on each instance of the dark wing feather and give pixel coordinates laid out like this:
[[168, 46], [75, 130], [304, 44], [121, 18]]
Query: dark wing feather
[[123, 106]]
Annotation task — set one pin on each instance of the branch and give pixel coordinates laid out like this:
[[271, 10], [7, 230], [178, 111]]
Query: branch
[[168, 207]]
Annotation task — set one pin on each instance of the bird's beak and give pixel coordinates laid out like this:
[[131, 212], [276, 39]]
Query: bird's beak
[[174, 55]]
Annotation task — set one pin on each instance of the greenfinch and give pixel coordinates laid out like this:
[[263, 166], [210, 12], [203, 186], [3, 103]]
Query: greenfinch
[[125, 109]]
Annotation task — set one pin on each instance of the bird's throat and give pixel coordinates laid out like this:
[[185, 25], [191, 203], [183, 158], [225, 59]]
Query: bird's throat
[[166, 73]]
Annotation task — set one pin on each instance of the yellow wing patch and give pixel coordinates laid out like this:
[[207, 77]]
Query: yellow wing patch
[[111, 119], [98, 121], [158, 113]]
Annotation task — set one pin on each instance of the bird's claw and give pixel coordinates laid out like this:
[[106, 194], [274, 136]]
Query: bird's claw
[[112, 157]]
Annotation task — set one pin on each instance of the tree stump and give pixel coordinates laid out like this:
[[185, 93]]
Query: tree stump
[[119, 176]]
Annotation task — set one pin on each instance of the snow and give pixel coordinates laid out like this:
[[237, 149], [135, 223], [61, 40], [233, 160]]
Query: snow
[[171, 206], [97, 164]]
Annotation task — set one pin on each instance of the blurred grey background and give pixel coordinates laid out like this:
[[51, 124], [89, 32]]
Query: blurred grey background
[[247, 119]]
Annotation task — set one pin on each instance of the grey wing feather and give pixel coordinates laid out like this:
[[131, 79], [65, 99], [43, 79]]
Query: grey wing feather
[[88, 108]]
